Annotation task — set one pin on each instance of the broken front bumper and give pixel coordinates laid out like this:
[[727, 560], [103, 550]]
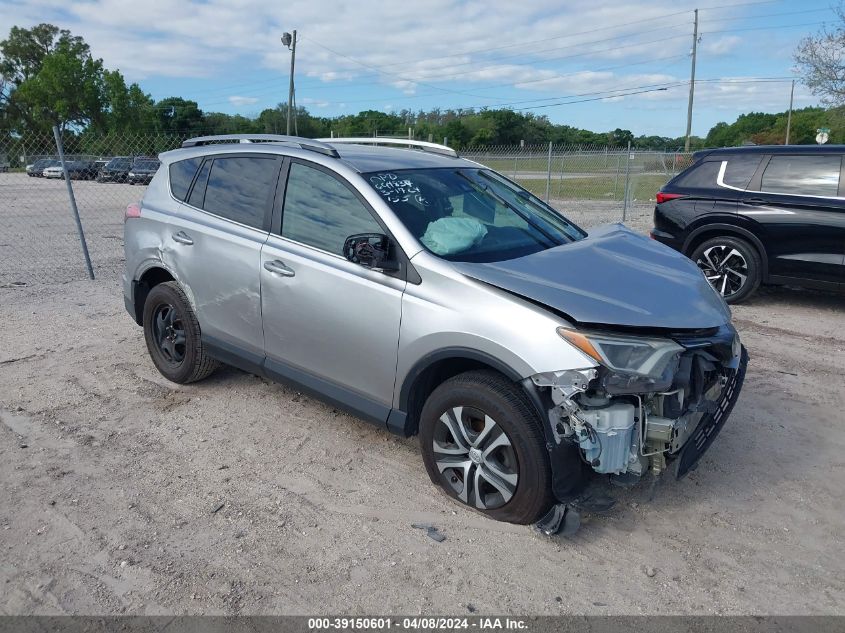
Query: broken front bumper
[[596, 427], [710, 425]]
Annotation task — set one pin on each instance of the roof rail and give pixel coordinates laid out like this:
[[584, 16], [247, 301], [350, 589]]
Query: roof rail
[[367, 140], [304, 143]]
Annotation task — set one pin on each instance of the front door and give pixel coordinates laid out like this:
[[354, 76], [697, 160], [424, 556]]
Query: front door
[[329, 324]]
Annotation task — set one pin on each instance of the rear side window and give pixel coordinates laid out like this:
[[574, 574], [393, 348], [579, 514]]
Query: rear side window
[[321, 211], [699, 176], [802, 175], [740, 170], [238, 188], [181, 174], [197, 196]]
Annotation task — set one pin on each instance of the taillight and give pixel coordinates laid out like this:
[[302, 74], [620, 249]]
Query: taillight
[[665, 197], [132, 211]]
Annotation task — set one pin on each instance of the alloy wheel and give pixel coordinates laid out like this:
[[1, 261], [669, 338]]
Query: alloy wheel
[[169, 333], [725, 268], [475, 457]]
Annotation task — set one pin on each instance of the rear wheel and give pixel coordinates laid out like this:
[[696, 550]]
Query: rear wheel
[[482, 443], [731, 265], [172, 333]]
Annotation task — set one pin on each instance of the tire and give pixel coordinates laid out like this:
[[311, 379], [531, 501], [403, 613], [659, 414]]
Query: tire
[[519, 468], [176, 352], [732, 265]]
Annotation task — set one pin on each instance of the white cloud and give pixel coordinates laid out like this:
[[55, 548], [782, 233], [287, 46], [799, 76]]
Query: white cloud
[[540, 48], [242, 101], [722, 45]]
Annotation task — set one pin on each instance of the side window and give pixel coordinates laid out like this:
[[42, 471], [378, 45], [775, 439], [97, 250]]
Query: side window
[[740, 170], [802, 175], [321, 211], [238, 188], [181, 174], [700, 176], [197, 196]]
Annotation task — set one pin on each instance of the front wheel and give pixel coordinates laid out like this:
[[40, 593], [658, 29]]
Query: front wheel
[[483, 444], [731, 265], [172, 333]]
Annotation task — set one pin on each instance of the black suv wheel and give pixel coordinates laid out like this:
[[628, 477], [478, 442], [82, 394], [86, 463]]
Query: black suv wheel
[[172, 333], [483, 444], [731, 265]]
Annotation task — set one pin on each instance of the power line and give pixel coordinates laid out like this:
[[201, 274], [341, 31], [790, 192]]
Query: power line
[[520, 83]]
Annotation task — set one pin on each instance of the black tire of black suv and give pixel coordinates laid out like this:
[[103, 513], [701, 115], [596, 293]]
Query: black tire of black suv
[[493, 395], [753, 265], [184, 362]]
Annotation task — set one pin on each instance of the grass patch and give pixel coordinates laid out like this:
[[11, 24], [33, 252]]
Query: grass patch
[[643, 187]]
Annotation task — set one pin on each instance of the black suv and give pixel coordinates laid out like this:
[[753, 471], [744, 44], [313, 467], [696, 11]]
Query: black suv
[[760, 214], [116, 170]]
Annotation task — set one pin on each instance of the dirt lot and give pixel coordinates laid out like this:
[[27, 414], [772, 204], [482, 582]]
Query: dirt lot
[[111, 477]]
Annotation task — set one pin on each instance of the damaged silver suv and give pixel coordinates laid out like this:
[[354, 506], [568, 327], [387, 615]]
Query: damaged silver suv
[[430, 295]]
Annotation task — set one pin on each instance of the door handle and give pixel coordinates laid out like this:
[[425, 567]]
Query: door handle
[[755, 201], [183, 238], [280, 268]]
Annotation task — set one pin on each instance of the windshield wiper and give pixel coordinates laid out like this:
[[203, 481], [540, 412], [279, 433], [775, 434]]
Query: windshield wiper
[[498, 198]]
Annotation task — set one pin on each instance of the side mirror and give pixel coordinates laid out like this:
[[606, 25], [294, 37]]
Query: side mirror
[[371, 250]]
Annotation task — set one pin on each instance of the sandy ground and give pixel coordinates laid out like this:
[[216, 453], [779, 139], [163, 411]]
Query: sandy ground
[[123, 493]]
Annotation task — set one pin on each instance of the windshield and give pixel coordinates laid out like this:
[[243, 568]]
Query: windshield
[[146, 164], [472, 214], [119, 163]]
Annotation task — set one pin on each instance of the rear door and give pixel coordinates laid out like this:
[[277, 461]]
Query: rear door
[[329, 324], [799, 207], [215, 245]]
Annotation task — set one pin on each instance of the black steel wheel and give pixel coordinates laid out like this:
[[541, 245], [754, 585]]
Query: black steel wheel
[[172, 334]]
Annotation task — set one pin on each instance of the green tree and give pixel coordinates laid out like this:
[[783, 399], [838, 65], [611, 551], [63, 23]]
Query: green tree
[[178, 116], [127, 109], [820, 61], [50, 78]]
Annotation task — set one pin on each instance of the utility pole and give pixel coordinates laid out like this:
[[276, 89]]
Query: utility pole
[[289, 40], [789, 116], [692, 81]]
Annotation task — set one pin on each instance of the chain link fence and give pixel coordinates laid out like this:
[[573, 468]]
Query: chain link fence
[[590, 185], [39, 242]]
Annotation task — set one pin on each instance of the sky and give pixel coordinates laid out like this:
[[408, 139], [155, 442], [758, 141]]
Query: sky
[[592, 64]]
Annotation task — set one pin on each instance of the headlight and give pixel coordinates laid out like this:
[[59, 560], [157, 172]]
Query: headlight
[[633, 356]]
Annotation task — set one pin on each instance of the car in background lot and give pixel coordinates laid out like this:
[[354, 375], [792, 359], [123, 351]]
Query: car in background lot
[[76, 169], [143, 170], [36, 169], [759, 215], [97, 167], [432, 296], [116, 170], [57, 171]]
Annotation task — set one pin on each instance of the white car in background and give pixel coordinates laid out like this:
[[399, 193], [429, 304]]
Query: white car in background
[[55, 171]]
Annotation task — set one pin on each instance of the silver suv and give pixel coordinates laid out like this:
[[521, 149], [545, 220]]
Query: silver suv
[[432, 296]]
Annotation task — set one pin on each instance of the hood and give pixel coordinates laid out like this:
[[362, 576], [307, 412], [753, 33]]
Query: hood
[[612, 277]]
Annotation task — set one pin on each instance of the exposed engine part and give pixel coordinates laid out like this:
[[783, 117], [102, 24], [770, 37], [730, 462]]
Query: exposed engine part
[[626, 433], [566, 383], [606, 436], [665, 434]]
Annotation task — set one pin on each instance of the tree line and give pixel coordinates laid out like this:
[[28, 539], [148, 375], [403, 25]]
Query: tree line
[[49, 77]]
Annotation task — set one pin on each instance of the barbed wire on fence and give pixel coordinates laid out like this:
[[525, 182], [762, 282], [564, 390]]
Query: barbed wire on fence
[[39, 244]]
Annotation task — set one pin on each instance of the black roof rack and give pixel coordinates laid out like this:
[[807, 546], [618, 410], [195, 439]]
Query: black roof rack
[[303, 143]]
